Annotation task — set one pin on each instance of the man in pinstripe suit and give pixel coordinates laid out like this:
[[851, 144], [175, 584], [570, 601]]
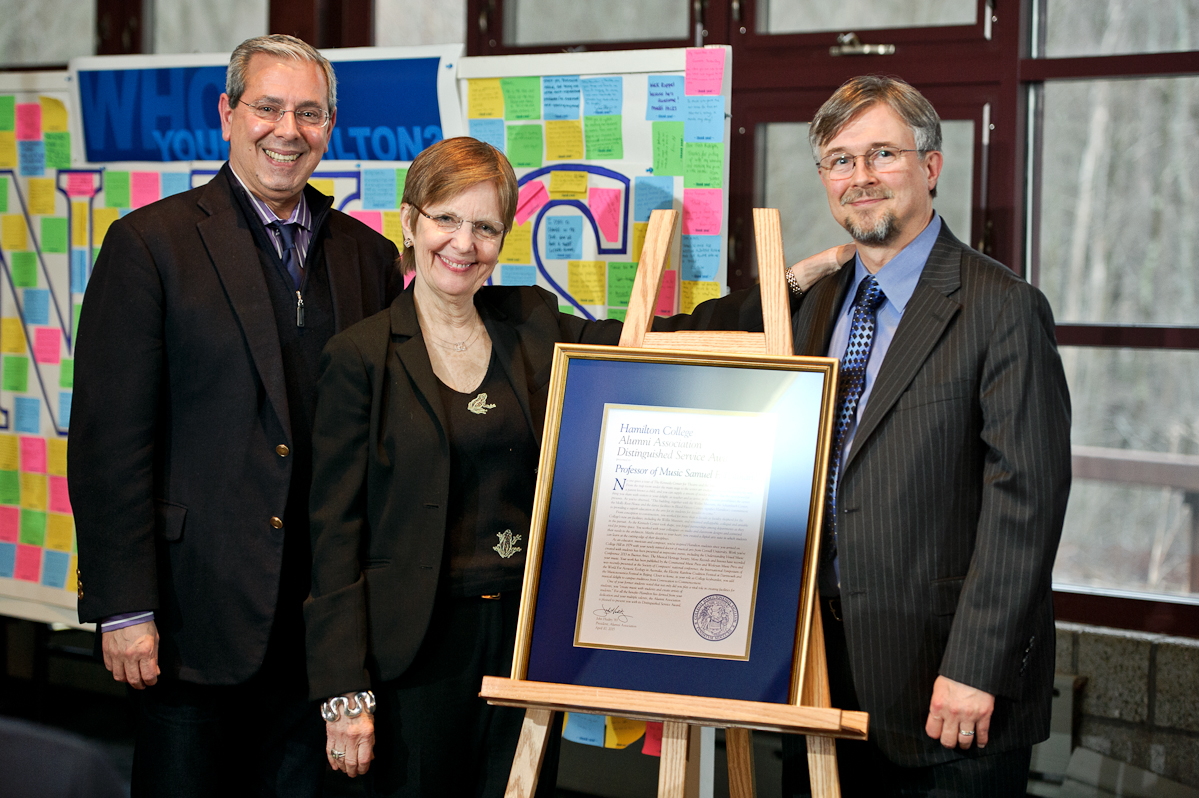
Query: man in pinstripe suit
[[952, 472]]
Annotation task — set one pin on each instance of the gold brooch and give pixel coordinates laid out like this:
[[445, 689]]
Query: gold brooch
[[479, 405], [505, 547]]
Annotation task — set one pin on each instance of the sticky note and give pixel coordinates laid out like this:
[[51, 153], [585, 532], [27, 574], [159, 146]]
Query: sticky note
[[54, 114], [64, 408], [587, 281], [606, 209], [10, 489], [518, 246], [703, 211], [60, 529], [56, 457], [564, 140], [54, 234], [54, 569], [58, 150], [378, 188], [29, 121], [705, 70], [102, 219], [602, 96], [59, 500], [16, 373], [47, 345], [522, 98], [8, 150], [28, 414], [485, 99], [490, 131], [694, 293], [524, 146], [78, 224], [66, 373], [401, 180], [516, 274], [668, 149], [620, 282], [560, 97], [530, 199], [651, 194], [622, 732], [584, 729], [653, 738], [568, 185], [564, 237], [37, 305], [667, 293], [31, 158], [322, 184], [78, 271], [41, 196], [24, 269], [618, 313], [81, 184], [116, 189], [144, 188], [664, 98], [8, 555], [704, 120], [33, 492], [12, 336], [700, 258], [3, 195], [10, 525], [393, 228], [372, 219], [32, 525], [639, 229], [604, 138], [9, 453], [71, 585], [28, 566], [175, 183], [703, 165], [7, 112], [33, 454]]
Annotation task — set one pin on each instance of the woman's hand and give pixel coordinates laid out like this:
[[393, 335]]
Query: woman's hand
[[809, 270], [350, 742]]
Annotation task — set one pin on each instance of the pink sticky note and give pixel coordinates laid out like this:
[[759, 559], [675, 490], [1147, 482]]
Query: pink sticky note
[[605, 207], [372, 219], [81, 184], [409, 277], [144, 188], [532, 196], [670, 281], [60, 500], [653, 738], [703, 209], [29, 563], [705, 70], [33, 453], [10, 524], [46, 345], [29, 121]]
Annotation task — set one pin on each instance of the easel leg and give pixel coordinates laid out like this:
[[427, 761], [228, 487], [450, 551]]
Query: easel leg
[[822, 751], [739, 743], [672, 770], [530, 750]]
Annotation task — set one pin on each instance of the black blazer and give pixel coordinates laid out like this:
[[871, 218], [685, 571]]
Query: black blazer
[[952, 499], [180, 414]]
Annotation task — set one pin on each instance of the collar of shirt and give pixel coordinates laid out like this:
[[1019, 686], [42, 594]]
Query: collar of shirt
[[899, 276], [300, 215]]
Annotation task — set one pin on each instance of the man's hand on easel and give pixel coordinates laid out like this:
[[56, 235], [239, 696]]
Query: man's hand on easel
[[350, 745]]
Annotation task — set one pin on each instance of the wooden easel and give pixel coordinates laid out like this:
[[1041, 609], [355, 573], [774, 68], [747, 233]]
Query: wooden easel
[[814, 716]]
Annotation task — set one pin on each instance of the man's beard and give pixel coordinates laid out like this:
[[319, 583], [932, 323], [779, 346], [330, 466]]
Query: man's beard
[[882, 231]]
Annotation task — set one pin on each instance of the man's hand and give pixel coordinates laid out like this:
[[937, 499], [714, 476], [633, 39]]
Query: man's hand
[[354, 740], [132, 654], [958, 708], [809, 270]]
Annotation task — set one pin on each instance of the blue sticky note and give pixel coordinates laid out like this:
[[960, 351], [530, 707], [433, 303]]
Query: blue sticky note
[[64, 408], [124, 212], [651, 194], [175, 183], [490, 131], [585, 729], [31, 156], [378, 189], [78, 271], [560, 97], [37, 306], [29, 414], [518, 275], [564, 237], [8, 559], [54, 568], [700, 257], [602, 96], [664, 98], [704, 119]]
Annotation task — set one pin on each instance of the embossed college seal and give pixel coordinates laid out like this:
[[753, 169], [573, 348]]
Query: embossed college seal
[[715, 617]]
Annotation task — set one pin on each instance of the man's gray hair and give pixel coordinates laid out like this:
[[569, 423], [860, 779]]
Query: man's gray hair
[[280, 46], [860, 93]]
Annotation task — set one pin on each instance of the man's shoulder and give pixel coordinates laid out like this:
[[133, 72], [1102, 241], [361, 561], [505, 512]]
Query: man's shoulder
[[175, 211]]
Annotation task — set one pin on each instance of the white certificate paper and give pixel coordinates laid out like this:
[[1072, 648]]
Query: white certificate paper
[[675, 537]]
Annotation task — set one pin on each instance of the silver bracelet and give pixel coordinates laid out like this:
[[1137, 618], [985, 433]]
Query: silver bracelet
[[793, 282], [331, 710]]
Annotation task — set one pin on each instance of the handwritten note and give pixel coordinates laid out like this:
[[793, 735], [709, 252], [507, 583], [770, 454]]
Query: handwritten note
[[29, 414], [33, 454], [620, 282], [28, 565], [8, 150], [378, 189], [490, 131], [12, 336], [522, 98], [584, 729], [54, 234], [518, 274], [703, 209], [24, 269], [54, 114], [16, 373], [116, 189], [60, 500], [56, 457], [175, 183], [64, 407], [29, 121], [66, 373], [372, 219], [41, 195], [618, 313], [664, 100], [586, 281], [604, 138], [603, 96], [3, 195], [393, 228], [639, 229], [518, 245], [58, 150], [693, 293], [60, 527], [525, 145], [31, 158], [605, 207], [401, 180], [485, 99], [568, 185], [564, 237], [700, 258], [668, 149], [9, 452], [653, 738], [323, 185], [530, 199], [622, 732], [79, 225], [564, 140], [144, 188], [12, 231], [33, 497], [102, 219], [81, 184], [37, 306], [560, 97], [10, 518], [8, 118], [651, 194], [703, 165], [704, 120], [705, 70], [667, 293]]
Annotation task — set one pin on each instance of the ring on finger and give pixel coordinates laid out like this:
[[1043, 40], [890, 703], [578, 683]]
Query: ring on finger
[[965, 733], [339, 755]]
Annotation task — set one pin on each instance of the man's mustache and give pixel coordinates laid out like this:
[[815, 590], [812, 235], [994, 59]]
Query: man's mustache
[[855, 194]]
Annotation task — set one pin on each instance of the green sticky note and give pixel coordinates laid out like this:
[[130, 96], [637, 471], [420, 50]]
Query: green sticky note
[[602, 135], [58, 149], [10, 487], [24, 269], [33, 527], [617, 313], [8, 112], [569, 310], [16, 373], [525, 146], [620, 282], [66, 373], [401, 179], [703, 164], [54, 234], [522, 98], [116, 189], [668, 149], [3, 195]]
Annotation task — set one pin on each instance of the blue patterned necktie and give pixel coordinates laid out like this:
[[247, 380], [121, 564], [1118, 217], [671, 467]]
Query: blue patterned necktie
[[853, 380], [291, 261]]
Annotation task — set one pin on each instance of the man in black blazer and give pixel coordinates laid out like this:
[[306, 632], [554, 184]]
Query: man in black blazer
[[951, 474], [190, 440]]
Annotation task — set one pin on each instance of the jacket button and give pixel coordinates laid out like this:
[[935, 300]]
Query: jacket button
[[276, 522], [282, 450]]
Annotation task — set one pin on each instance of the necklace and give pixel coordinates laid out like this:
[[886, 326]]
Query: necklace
[[455, 346]]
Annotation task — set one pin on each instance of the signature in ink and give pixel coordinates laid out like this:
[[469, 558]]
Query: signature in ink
[[612, 614]]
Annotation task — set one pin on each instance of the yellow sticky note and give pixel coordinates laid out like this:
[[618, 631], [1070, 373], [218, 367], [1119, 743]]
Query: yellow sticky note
[[639, 229], [588, 281], [54, 115], [60, 532], [102, 219], [564, 140], [56, 457], [568, 185], [79, 224], [692, 292], [485, 99], [393, 228], [323, 185], [8, 453], [41, 196], [518, 245], [12, 336], [8, 149], [33, 491], [13, 232], [72, 585], [620, 732]]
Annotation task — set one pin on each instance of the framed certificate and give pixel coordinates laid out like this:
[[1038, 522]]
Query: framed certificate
[[673, 546]]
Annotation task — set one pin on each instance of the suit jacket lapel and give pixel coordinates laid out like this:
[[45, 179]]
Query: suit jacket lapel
[[506, 346], [413, 355]]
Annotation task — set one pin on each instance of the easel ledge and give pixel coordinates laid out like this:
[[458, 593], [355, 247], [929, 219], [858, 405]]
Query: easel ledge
[[696, 710]]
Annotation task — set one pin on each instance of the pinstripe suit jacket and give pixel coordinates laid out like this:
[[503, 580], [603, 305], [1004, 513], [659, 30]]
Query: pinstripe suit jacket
[[951, 501]]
